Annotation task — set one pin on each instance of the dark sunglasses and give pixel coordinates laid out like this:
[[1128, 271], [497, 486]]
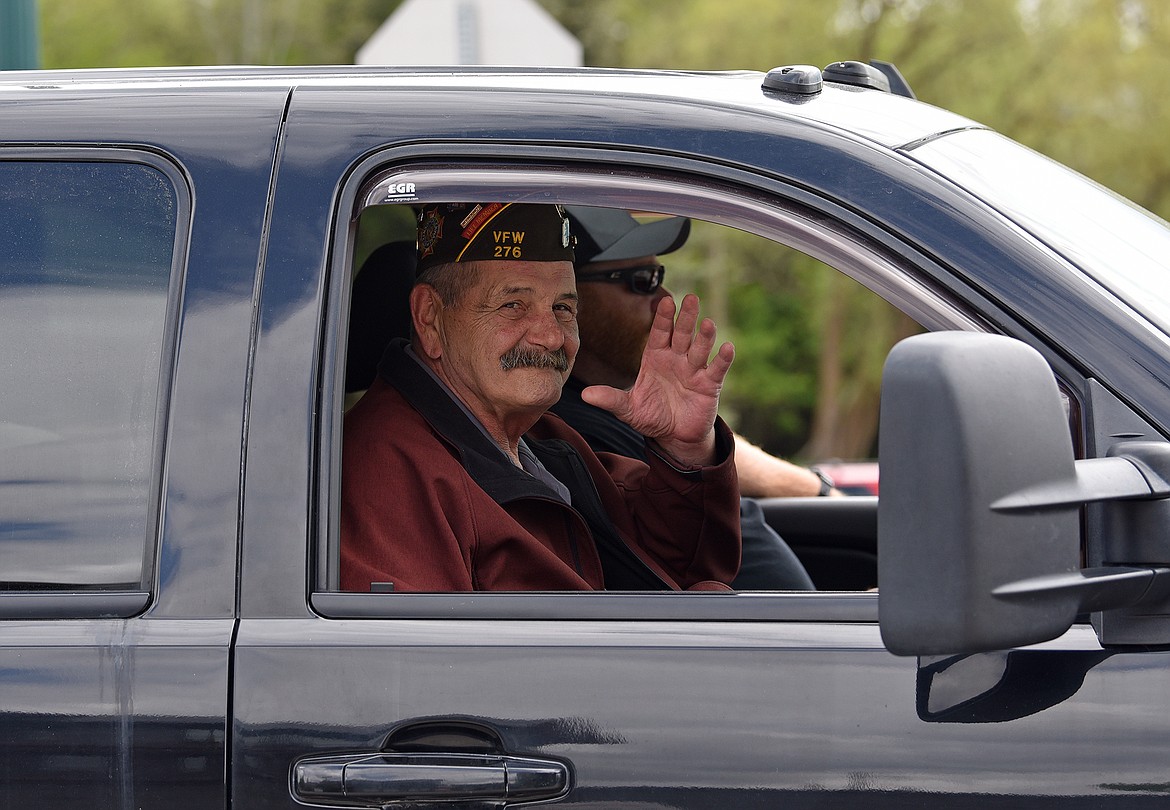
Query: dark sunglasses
[[643, 279]]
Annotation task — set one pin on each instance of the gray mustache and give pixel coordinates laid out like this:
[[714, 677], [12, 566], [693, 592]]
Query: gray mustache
[[519, 357]]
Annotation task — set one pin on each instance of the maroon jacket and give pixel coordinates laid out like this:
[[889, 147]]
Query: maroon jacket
[[429, 503]]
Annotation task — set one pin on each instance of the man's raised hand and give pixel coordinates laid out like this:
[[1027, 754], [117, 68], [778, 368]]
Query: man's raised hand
[[675, 399]]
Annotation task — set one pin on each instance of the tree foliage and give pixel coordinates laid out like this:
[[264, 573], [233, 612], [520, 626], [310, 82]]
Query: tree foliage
[[1079, 80], [110, 33]]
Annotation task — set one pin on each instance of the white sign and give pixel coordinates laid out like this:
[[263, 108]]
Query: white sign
[[471, 32]]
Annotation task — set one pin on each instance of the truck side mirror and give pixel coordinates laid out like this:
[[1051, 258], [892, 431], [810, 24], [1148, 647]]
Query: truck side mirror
[[978, 520]]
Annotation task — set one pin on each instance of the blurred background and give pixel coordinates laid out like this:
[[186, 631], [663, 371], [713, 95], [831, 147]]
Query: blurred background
[[1082, 81]]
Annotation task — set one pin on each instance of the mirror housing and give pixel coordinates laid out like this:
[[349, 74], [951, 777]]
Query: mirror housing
[[978, 519]]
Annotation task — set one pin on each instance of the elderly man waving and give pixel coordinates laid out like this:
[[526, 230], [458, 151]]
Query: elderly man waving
[[456, 478]]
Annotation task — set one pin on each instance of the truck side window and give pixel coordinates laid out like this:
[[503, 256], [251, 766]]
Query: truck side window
[[758, 290], [86, 252]]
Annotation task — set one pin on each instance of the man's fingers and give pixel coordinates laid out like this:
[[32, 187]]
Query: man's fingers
[[722, 361], [684, 325], [662, 326], [609, 399], [704, 341]]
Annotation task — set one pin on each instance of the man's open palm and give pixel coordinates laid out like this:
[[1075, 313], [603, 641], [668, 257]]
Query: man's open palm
[[675, 398]]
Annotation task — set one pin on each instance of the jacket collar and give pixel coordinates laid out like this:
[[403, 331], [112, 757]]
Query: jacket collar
[[483, 459]]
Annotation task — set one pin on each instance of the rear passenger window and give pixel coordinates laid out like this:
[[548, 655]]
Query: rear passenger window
[[86, 255]]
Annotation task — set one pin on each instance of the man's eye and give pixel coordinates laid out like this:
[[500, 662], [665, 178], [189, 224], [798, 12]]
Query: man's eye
[[565, 312]]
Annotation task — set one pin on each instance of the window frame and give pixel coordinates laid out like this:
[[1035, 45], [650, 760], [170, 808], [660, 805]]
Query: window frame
[[771, 209], [100, 602]]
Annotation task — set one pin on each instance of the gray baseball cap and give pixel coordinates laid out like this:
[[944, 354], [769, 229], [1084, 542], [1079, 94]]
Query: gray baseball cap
[[609, 234]]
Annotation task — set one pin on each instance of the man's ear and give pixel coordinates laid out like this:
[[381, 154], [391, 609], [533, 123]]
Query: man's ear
[[426, 309]]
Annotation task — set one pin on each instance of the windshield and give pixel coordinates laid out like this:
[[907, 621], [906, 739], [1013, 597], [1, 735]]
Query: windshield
[[1120, 245]]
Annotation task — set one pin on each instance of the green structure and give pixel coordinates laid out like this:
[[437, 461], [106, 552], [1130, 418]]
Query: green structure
[[19, 44]]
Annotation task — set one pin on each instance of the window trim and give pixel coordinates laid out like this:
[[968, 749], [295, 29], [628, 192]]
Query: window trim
[[790, 216], [73, 604], [120, 602], [745, 606]]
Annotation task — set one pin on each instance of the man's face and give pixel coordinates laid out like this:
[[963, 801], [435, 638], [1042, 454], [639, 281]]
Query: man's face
[[615, 320], [510, 340]]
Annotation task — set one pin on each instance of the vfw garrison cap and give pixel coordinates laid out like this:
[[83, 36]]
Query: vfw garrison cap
[[467, 232]]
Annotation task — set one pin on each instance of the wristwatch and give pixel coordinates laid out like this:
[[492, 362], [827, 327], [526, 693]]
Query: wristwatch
[[827, 484]]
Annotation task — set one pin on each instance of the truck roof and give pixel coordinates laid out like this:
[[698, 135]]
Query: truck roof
[[881, 117]]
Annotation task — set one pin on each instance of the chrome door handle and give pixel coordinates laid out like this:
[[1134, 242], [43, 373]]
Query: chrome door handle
[[376, 779]]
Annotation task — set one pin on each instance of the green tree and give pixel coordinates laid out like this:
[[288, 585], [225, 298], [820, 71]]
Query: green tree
[[107, 33], [1075, 79]]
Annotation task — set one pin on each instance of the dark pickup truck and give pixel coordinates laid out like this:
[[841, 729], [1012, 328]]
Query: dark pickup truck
[[177, 250]]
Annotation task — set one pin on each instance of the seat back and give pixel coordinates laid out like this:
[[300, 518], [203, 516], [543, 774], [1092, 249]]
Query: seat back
[[379, 310]]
